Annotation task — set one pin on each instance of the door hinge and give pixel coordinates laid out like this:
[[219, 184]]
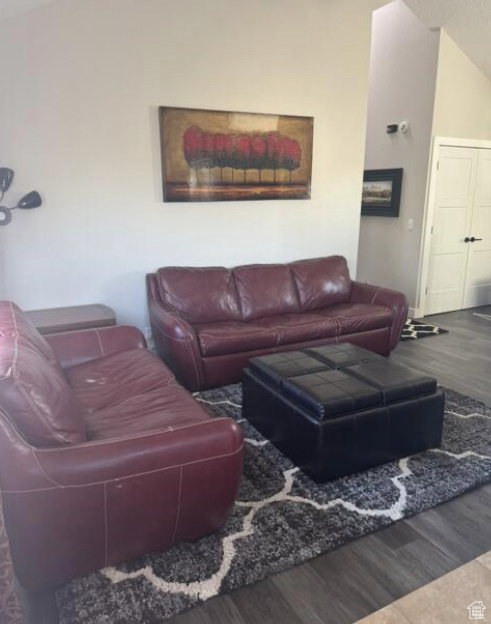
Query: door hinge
[[426, 290], [431, 230], [437, 165]]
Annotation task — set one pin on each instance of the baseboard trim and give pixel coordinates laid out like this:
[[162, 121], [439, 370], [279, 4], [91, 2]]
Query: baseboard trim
[[415, 313]]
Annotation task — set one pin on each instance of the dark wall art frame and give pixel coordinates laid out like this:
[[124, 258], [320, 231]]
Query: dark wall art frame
[[210, 155], [377, 201]]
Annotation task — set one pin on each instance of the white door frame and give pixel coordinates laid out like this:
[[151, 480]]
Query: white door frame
[[424, 262]]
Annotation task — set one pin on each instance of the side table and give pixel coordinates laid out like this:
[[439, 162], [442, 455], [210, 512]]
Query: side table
[[57, 320]]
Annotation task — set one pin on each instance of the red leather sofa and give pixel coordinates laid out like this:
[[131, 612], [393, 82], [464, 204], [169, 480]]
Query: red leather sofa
[[208, 322], [103, 456]]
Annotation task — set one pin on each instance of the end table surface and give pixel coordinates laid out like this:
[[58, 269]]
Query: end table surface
[[56, 320]]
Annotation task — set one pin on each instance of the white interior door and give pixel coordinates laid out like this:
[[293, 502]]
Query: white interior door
[[452, 219], [478, 281]]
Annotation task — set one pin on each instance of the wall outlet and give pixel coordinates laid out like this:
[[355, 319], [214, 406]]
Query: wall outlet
[[410, 224]]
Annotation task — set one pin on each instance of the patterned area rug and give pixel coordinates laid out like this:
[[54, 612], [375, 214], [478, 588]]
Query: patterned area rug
[[10, 611], [282, 518], [413, 330]]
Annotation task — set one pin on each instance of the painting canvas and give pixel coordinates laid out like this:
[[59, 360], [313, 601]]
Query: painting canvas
[[377, 193], [226, 156], [381, 195]]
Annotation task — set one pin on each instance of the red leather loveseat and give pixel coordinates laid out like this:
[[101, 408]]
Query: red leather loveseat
[[103, 456], [208, 322]]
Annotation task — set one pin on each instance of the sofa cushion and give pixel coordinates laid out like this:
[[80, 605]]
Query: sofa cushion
[[294, 328], [201, 295], [342, 355], [114, 379], [277, 367], [396, 383], [358, 317], [265, 290], [226, 338], [331, 393], [321, 282], [34, 393], [16, 325], [164, 407]]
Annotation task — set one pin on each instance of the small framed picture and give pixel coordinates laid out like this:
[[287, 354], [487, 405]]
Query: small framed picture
[[381, 193]]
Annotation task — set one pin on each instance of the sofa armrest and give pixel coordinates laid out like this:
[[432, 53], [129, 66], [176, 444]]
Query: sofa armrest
[[175, 340], [121, 458], [396, 301], [78, 347], [100, 503]]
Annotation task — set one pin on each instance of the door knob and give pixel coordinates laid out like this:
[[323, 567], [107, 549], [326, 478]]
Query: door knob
[[467, 239], [474, 239]]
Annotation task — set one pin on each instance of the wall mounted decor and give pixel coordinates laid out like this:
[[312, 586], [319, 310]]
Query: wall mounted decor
[[31, 200], [226, 156], [381, 193]]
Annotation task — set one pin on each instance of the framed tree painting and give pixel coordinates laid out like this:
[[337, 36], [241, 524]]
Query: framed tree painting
[[226, 156], [381, 195]]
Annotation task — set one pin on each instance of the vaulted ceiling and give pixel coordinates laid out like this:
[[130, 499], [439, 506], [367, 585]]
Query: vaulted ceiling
[[468, 22]]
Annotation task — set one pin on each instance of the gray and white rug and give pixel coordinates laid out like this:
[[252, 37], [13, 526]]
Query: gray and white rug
[[414, 330], [282, 518]]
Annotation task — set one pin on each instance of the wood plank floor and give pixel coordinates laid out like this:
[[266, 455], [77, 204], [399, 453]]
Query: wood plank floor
[[444, 601], [355, 580]]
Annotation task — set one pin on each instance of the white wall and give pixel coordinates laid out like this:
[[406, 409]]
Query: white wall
[[11, 7], [403, 67], [78, 122], [463, 95]]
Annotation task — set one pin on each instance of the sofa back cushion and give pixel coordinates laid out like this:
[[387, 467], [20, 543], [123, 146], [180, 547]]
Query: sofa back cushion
[[321, 282], [200, 295], [265, 290], [34, 393]]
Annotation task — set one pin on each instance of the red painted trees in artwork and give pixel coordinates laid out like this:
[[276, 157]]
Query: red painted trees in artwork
[[292, 156], [221, 152], [192, 143], [242, 154], [258, 152], [272, 146], [208, 150], [269, 150]]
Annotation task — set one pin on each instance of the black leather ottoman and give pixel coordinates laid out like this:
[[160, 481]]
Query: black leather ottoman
[[340, 409]]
